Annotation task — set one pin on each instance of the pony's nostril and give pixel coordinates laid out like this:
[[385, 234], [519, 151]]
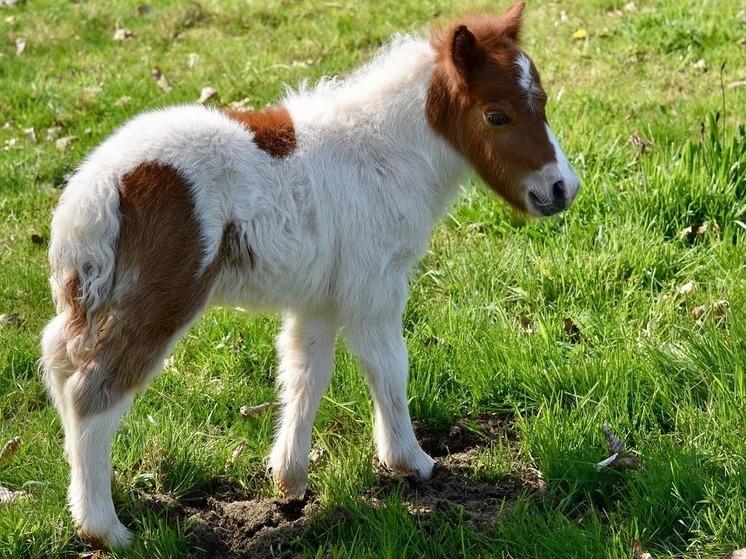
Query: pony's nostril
[[559, 196]]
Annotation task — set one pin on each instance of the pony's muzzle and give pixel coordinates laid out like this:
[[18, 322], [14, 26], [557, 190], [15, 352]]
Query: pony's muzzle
[[556, 198], [559, 194]]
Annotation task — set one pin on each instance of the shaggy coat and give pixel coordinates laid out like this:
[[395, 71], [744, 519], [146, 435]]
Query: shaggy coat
[[317, 207]]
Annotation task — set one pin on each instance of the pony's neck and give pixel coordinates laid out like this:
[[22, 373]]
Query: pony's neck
[[381, 108]]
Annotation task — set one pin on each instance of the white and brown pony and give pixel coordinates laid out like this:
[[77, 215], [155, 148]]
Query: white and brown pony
[[317, 207]]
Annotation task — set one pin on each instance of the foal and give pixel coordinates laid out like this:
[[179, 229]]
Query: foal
[[317, 207]]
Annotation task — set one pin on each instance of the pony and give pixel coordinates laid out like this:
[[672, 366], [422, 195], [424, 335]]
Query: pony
[[316, 207]]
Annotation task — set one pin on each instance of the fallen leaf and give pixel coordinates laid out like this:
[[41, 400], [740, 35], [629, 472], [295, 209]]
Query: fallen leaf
[[11, 320], [52, 133], [314, 457], [613, 443], [720, 308], [253, 411], [640, 143], [696, 229], [238, 451], [123, 34], [244, 105], [207, 94], [64, 142], [93, 90], [688, 287], [20, 46], [193, 57], [238, 343], [604, 32], [571, 330], [302, 63], [607, 462], [630, 7], [737, 84], [701, 64], [580, 34], [637, 551], [526, 322], [699, 312], [9, 450], [619, 457], [123, 100], [8, 497], [30, 134], [160, 79]]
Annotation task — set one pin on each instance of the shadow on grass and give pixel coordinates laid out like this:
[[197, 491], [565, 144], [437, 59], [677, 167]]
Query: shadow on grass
[[225, 521]]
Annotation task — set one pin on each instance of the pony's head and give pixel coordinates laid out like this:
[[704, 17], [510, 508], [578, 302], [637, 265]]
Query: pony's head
[[486, 99]]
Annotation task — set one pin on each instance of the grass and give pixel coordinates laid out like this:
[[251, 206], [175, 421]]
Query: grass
[[555, 325]]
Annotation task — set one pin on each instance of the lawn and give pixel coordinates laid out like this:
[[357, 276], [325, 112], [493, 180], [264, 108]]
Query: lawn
[[524, 336]]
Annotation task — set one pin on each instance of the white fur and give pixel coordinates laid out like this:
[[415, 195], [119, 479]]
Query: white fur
[[89, 494], [564, 169], [333, 228], [559, 170], [526, 80]]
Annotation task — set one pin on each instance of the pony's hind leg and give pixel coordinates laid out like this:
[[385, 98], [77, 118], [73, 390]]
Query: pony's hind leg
[[89, 452], [90, 403], [159, 288], [97, 396], [57, 365]]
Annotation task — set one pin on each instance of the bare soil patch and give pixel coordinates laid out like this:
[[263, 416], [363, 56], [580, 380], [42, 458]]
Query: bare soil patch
[[232, 524]]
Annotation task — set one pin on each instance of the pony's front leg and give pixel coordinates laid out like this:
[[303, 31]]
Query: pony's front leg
[[380, 347], [306, 349]]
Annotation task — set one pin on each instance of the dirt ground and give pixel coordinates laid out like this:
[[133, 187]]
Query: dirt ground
[[231, 524]]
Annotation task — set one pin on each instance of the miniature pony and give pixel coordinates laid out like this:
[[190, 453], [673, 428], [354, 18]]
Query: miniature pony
[[317, 207]]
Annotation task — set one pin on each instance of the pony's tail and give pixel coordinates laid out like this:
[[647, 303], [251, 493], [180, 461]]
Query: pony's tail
[[82, 255]]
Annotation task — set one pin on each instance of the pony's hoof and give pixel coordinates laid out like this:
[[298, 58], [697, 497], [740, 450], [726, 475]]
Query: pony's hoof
[[113, 537], [292, 485], [417, 462], [291, 488]]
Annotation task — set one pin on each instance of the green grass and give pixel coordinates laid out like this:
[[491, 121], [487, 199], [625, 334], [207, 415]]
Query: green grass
[[485, 319]]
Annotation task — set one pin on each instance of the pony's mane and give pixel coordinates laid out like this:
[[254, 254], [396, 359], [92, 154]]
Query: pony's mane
[[401, 62]]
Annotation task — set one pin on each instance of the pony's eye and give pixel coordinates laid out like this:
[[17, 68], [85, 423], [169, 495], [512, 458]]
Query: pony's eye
[[497, 119]]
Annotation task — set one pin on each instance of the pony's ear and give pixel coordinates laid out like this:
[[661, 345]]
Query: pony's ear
[[510, 21], [465, 52]]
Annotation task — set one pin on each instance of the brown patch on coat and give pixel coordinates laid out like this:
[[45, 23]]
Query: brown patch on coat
[[70, 295], [81, 331], [273, 129], [476, 73], [158, 287]]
